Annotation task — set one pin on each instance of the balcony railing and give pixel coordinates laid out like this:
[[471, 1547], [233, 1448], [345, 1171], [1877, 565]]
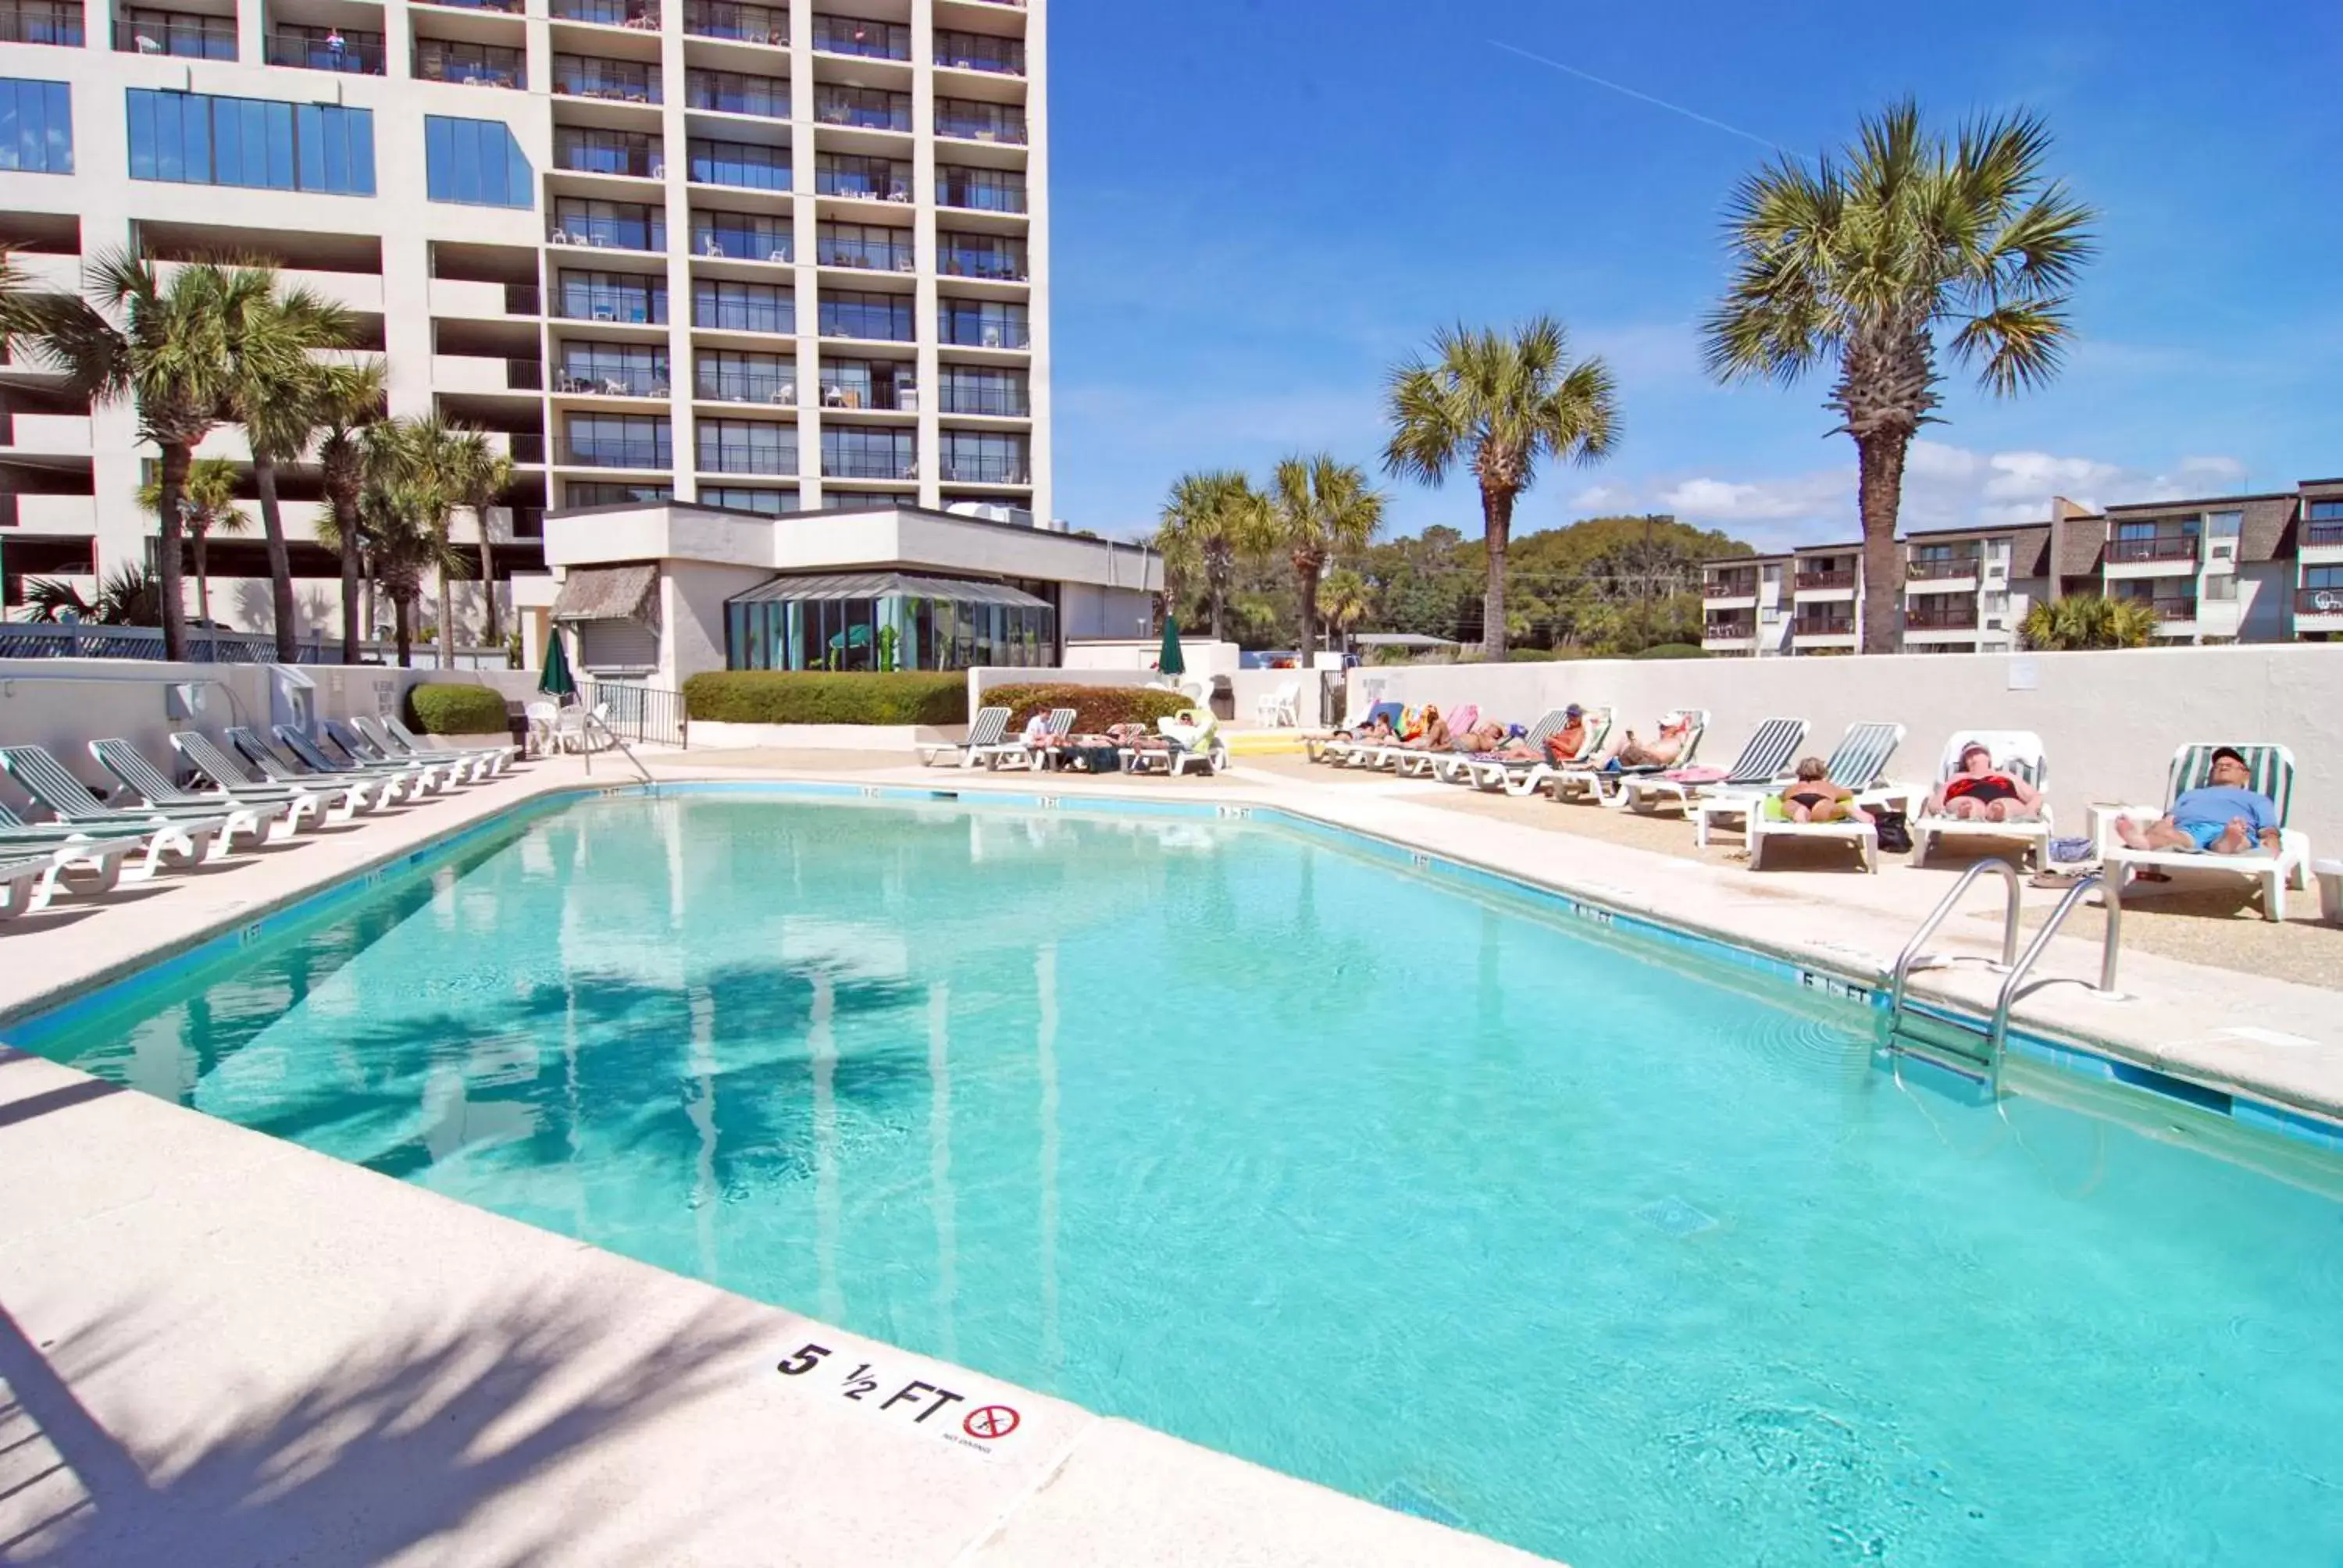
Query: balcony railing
[[618, 452], [587, 158], [527, 445], [358, 55], [482, 73], [608, 233], [868, 466], [722, 242], [864, 185], [2152, 548], [980, 52], [599, 79], [865, 111], [972, 332], [2318, 601], [756, 95], [1832, 626], [185, 36], [625, 305], [1947, 618], [524, 375], [2322, 533], [867, 255], [741, 24], [997, 267], [718, 458], [522, 299], [1729, 629], [743, 315], [1730, 587], [777, 389], [59, 25], [867, 391], [1936, 569], [585, 378], [990, 402], [974, 121], [2171, 608], [632, 13], [854, 36], [866, 323], [509, 8], [987, 469], [1824, 580], [960, 189]]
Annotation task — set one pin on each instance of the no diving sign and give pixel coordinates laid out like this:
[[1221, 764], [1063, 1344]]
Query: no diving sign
[[913, 1402]]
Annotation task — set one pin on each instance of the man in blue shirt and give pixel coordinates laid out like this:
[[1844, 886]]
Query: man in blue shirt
[[2224, 818]]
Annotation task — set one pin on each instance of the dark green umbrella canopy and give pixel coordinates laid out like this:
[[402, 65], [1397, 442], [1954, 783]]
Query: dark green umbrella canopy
[[557, 680], [1169, 661]]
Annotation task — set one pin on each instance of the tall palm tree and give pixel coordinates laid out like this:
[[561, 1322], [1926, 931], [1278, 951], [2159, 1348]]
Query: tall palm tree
[[276, 394], [427, 469], [349, 416], [166, 345], [1320, 508], [1213, 521], [1854, 263], [1499, 402], [486, 477], [207, 506]]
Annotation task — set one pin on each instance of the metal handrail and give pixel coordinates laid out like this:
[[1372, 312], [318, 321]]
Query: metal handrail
[[2110, 948], [593, 722], [1910, 958]]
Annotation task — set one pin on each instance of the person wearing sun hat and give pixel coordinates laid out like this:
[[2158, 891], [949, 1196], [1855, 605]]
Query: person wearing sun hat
[[2226, 816]]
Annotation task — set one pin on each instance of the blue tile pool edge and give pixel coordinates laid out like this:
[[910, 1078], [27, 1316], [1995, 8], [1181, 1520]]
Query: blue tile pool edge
[[2089, 1059]]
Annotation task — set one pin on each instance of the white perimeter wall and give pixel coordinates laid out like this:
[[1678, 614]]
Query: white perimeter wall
[[2111, 720]]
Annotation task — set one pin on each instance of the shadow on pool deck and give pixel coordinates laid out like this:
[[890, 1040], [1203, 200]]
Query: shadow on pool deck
[[399, 1448]]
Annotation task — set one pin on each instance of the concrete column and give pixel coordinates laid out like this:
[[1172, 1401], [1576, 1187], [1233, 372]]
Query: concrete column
[[923, 196]]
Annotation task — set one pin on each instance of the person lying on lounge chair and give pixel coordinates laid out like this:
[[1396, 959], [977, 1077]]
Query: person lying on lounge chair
[[1662, 752], [2224, 818], [1980, 792], [1377, 731], [1486, 736], [1435, 736], [1814, 798]]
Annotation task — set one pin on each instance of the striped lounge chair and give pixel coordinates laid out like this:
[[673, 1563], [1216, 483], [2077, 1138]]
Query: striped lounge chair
[[2272, 772]]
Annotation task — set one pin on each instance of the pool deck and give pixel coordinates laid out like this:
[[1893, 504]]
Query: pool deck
[[218, 1346]]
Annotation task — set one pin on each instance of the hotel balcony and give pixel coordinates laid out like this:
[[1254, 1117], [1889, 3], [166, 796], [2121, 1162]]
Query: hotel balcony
[[59, 25], [1819, 633], [179, 33], [1729, 634], [2321, 542], [2156, 555], [1827, 585], [352, 53], [764, 24], [1941, 574], [1730, 590], [2319, 609], [482, 374], [2175, 616]]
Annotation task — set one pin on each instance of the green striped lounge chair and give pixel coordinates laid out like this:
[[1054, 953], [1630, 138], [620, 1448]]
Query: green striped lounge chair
[[1607, 786], [382, 789], [476, 764], [233, 780], [2015, 752], [189, 835], [1765, 758], [58, 849], [278, 817], [2270, 770], [985, 729], [1859, 762]]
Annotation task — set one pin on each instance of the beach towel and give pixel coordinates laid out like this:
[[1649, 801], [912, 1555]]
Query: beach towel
[[1694, 775]]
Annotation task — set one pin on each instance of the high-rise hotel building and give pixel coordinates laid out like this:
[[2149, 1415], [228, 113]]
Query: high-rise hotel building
[[770, 258]]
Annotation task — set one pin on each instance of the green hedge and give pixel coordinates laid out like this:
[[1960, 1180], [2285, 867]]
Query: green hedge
[[812, 697], [437, 707], [1095, 707], [1672, 650]]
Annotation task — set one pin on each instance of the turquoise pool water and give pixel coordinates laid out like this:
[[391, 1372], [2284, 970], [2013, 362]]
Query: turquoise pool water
[[1595, 1248]]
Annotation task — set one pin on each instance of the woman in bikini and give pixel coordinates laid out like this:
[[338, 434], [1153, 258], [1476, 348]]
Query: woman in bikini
[[1814, 798], [1981, 793]]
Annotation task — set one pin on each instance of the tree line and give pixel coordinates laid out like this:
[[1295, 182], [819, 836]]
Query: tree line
[[213, 344], [1851, 264]]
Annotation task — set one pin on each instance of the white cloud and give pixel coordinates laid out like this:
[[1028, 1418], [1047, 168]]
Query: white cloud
[[1596, 500]]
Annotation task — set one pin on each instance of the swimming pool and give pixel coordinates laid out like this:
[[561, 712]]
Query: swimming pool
[[1588, 1244]]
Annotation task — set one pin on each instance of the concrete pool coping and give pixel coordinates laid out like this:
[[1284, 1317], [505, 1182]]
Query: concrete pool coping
[[206, 1329]]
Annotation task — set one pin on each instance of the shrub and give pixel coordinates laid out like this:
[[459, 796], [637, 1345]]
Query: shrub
[[1095, 707], [443, 708], [814, 697], [1670, 651]]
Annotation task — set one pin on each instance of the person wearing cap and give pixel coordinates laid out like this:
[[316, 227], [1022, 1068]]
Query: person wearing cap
[[2226, 816], [1980, 792], [1564, 744], [1661, 751]]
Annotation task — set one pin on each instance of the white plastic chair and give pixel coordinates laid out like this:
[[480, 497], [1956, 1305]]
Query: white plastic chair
[[1280, 707]]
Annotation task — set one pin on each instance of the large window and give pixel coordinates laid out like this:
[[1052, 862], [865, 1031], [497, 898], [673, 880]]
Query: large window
[[487, 65], [613, 369], [746, 446], [857, 35], [980, 190], [602, 493], [969, 390], [888, 621], [973, 121], [866, 108], [746, 164], [195, 139], [728, 376], [742, 236], [475, 163], [610, 297], [619, 441], [872, 247], [847, 175], [979, 52], [743, 307], [603, 152], [982, 325], [749, 498], [618, 224], [732, 93], [983, 458], [987, 256], [848, 313], [36, 127], [57, 22], [2327, 512]]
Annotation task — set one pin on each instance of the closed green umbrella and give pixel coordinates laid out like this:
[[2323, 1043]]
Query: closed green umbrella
[[1169, 661], [557, 680]]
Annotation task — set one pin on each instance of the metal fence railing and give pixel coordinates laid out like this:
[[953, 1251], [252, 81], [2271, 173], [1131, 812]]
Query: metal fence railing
[[45, 640], [640, 715]]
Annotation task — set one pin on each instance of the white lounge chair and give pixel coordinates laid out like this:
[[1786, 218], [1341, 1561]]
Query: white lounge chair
[[1860, 763], [1492, 773], [1280, 707], [1013, 752], [280, 817], [233, 780], [35, 862], [1762, 761], [2270, 770], [1337, 751], [382, 787], [2019, 754], [1607, 786], [189, 835], [985, 729]]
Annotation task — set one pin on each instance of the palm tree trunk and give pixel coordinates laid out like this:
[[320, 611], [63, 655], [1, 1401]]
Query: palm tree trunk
[[346, 523], [368, 621], [199, 538], [489, 580], [399, 611], [1220, 611], [280, 564], [1497, 528], [1879, 497], [447, 616], [1308, 570], [171, 581]]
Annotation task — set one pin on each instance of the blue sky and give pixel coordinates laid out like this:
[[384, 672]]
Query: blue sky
[[1260, 206]]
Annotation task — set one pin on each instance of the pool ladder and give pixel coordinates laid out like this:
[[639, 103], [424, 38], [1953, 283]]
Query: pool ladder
[[592, 724], [2014, 966]]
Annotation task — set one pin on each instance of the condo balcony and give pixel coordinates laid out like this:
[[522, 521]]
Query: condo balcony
[[326, 49], [2154, 547], [618, 81], [52, 22], [859, 37], [1940, 568], [768, 26], [1958, 617], [476, 64], [1824, 581], [970, 120], [638, 15], [980, 52], [184, 34]]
